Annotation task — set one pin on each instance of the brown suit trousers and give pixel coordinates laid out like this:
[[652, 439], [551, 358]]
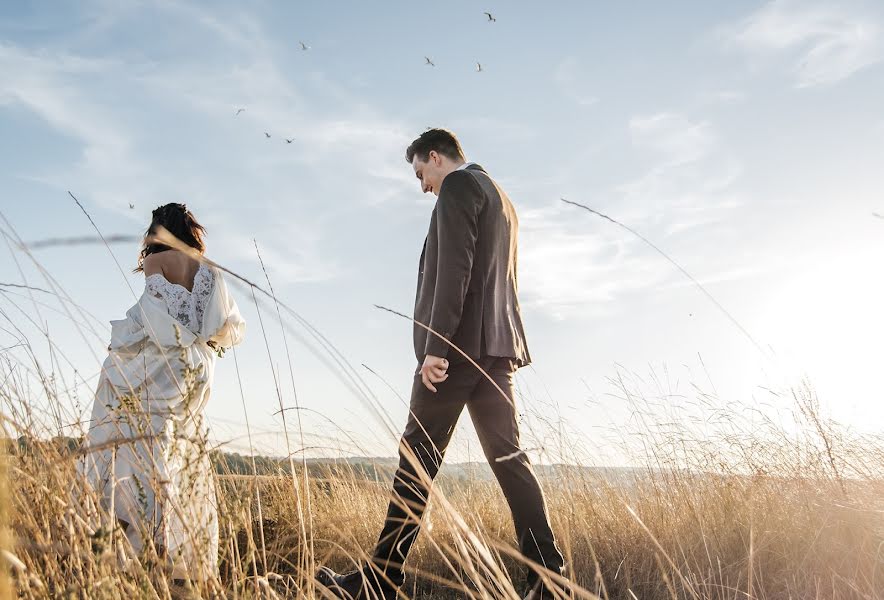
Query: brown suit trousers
[[427, 434]]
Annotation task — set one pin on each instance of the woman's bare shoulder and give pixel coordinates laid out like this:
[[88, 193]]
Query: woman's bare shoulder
[[153, 264]]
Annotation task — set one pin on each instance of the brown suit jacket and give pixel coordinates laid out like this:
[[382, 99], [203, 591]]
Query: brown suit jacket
[[467, 285]]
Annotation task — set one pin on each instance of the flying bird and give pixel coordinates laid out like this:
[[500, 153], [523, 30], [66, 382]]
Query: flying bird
[[267, 135], [429, 62], [289, 141], [879, 215], [479, 67], [491, 18], [304, 46], [132, 206], [239, 110]]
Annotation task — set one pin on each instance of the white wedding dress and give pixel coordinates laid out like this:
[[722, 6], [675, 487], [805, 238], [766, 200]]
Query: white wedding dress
[[146, 450]]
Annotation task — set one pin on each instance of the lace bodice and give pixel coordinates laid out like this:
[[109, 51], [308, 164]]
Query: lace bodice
[[187, 307]]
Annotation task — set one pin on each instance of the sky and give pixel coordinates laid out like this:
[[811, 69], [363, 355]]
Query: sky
[[745, 140]]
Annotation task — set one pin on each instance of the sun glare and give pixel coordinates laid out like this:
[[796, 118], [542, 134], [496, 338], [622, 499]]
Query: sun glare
[[826, 323]]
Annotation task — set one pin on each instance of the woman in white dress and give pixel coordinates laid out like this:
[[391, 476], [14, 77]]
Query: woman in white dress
[[147, 453]]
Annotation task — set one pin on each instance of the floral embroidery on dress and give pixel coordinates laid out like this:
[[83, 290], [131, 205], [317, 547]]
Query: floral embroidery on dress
[[187, 307]]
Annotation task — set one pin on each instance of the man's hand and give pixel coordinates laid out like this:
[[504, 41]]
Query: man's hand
[[434, 371]]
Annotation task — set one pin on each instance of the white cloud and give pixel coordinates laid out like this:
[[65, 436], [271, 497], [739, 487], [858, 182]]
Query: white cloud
[[121, 116], [46, 84], [723, 96], [56, 87], [825, 44], [300, 260], [690, 183], [239, 30], [673, 136], [573, 264], [571, 80], [570, 268]]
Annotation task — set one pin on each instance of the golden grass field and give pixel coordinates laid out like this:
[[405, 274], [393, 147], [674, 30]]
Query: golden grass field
[[756, 513], [5, 589], [722, 501]]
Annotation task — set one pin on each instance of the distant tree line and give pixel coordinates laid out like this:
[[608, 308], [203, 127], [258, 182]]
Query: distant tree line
[[225, 463]]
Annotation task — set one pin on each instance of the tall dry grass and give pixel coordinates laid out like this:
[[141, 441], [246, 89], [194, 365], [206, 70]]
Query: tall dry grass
[[5, 549], [722, 502], [758, 513]]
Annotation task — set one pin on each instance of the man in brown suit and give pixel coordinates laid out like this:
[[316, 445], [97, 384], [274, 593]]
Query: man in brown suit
[[467, 295]]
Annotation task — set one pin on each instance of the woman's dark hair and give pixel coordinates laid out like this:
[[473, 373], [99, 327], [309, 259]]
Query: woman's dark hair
[[180, 222], [441, 140]]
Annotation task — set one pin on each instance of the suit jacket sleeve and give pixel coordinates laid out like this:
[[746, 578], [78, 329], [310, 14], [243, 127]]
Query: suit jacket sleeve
[[457, 223]]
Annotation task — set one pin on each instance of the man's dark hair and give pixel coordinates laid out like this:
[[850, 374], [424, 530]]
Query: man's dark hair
[[441, 140]]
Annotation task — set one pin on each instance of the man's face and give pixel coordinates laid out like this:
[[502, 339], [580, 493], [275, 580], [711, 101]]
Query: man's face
[[431, 172]]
